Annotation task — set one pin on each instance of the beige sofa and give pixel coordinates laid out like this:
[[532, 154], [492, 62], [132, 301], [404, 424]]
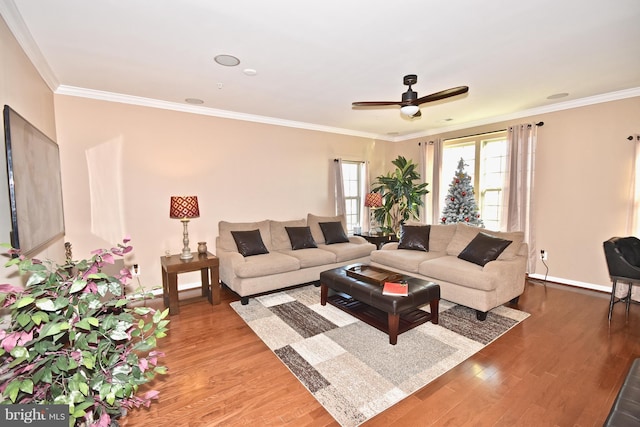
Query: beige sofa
[[479, 287], [282, 266]]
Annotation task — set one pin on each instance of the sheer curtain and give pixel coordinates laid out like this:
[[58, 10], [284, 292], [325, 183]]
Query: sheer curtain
[[339, 187], [633, 221], [435, 185], [518, 203], [366, 188], [423, 178]]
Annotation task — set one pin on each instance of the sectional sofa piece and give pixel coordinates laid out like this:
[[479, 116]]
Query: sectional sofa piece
[[281, 265]]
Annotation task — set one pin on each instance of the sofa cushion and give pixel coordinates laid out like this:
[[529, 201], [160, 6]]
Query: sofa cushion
[[249, 242], [300, 238], [483, 248], [333, 232], [279, 236], [265, 265], [403, 259], [454, 270], [415, 237], [312, 257], [313, 221], [226, 241], [465, 233], [440, 235], [348, 251]]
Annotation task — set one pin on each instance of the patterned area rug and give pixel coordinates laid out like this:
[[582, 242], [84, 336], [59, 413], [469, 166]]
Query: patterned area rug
[[349, 366]]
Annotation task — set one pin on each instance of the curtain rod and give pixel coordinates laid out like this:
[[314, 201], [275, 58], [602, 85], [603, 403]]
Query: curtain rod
[[484, 133]]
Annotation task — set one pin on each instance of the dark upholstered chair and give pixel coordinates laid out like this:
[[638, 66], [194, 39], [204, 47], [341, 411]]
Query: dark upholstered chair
[[623, 261]]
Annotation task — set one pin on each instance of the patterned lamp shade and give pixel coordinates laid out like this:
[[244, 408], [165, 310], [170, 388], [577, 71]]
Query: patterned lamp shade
[[184, 207], [373, 200]]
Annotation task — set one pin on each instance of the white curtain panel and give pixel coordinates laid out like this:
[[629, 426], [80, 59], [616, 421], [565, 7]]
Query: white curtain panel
[[339, 192], [633, 221], [435, 185], [423, 178], [366, 189], [518, 203]]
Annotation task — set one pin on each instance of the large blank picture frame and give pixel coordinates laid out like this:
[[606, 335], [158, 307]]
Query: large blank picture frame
[[35, 186]]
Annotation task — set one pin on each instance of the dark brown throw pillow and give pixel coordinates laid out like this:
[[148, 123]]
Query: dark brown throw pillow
[[484, 248], [415, 237], [249, 242], [333, 232], [300, 238]]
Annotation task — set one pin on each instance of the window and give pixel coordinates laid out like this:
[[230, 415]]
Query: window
[[352, 180], [485, 157]]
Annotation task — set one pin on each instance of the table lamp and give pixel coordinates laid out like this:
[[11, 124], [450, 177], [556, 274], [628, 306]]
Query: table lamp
[[373, 200], [184, 208]]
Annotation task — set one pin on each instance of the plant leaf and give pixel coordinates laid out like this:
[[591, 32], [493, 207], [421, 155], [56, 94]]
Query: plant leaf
[[78, 285], [24, 301]]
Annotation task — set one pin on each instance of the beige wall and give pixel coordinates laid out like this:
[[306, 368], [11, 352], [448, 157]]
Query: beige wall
[[583, 167], [22, 88], [240, 171]]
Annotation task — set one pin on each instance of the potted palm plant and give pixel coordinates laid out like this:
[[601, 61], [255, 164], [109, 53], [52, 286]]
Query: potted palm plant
[[75, 338], [401, 195]]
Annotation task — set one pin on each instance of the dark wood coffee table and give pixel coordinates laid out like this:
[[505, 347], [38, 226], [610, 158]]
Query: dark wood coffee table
[[364, 300]]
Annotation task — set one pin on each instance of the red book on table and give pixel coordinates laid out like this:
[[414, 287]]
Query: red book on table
[[395, 289]]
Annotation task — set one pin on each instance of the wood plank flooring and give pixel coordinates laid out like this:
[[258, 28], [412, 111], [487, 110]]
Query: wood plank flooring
[[561, 367]]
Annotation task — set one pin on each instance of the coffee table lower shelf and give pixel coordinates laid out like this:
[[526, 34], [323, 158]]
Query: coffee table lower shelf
[[379, 319]]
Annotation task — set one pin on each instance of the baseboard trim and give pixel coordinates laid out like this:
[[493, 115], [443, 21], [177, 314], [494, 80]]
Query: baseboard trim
[[577, 284]]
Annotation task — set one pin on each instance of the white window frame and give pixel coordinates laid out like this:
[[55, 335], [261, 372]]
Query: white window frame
[[353, 201], [480, 182]]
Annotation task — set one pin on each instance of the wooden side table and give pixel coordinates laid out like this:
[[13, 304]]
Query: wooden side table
[[172, 266], [378, 239]]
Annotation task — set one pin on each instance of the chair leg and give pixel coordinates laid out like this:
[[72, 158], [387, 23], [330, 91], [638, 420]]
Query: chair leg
[[628, 299], [613, 297]]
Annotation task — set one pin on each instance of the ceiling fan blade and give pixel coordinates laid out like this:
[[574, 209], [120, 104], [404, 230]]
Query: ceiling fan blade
[[374, 103], [442, 95]]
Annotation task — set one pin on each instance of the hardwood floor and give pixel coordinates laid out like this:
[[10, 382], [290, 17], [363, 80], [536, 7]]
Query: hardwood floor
[[560, 367]]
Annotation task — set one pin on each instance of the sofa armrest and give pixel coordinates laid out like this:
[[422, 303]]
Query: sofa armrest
[[357, 239], [228, 261], [389, 246], [512, 272]]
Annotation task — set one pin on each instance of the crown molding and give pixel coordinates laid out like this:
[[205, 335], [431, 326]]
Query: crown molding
[[16, 24], [205, 111], [567, 105]]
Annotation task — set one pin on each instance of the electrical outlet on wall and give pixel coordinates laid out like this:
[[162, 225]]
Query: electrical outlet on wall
[[544, 255], [135, 270]]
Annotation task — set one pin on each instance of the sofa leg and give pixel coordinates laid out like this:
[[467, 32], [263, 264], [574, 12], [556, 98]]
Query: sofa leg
[[244, 300], [481, 315], [515, 300]]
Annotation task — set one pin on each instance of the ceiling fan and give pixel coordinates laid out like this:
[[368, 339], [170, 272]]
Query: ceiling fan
[[410, 104]]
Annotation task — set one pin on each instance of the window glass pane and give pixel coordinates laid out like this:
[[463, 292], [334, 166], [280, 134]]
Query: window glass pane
[[352, 183]]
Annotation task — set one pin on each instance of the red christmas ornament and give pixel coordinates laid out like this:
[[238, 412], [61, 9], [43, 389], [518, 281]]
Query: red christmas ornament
[[457, 181], [467, 219], [453, 198], [444, 219], [464, 193]]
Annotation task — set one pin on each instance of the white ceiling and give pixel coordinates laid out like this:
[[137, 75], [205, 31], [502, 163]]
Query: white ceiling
[[313, 59]]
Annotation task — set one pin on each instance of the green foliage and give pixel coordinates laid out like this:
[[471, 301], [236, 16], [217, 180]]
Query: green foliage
[[401, 197], [75, 340]]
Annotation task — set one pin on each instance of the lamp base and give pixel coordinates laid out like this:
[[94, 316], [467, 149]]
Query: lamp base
[[186, 252]]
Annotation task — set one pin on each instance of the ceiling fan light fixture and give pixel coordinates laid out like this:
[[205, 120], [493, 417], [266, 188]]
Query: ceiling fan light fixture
[[409, 110]]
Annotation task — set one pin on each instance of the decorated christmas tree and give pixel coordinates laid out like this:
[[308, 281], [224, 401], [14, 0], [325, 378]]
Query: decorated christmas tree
[[460, 204]]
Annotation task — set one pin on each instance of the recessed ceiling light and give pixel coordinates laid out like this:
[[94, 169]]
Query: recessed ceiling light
[[227, 60], [250, 71], [194, 101], [558, 95]]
